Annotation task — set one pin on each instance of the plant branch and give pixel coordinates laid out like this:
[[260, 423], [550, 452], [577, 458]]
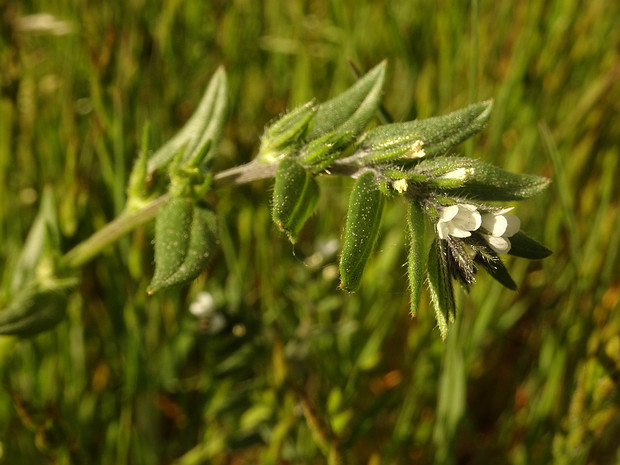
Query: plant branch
[[126, 222], [243, 174], [110, 233]]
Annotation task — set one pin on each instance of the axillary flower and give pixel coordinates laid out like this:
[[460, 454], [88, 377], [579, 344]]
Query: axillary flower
[[458, 220], [497, 227]]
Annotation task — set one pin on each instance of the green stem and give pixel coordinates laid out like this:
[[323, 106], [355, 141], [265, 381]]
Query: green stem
[[110, 233]]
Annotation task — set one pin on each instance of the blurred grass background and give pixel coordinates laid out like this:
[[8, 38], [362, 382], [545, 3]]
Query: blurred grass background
[[302, 372]]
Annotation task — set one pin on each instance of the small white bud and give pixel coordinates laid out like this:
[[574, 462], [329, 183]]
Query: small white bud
[[459, 174], [400, 185], [416, 150]]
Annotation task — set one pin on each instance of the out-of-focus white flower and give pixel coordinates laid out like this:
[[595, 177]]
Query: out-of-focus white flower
[[324, 250], [327, 247], [498, 227], [458, 220], [44, 23], [203, 308], [217, 322], [203, 305]]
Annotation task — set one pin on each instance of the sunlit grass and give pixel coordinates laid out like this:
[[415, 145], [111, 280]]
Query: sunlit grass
[[302, 369]]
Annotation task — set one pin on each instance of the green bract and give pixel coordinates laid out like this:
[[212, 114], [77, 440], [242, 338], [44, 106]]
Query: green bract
[[422, 138], [36, 308], [185, 241], [320, 133], [206, 124], [361, 230], [352, 110], [295, 196], [41, 246], [488, 183], [38, 290], [416, 262], [525, 247], [495, 267], [321, 152], [440, 288], [285, 133], [445, 172]]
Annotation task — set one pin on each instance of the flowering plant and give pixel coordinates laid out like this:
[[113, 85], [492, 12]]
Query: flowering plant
[[461, 198]]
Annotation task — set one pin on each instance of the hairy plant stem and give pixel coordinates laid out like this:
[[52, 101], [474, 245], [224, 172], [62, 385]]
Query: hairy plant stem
[[127, 221], [110, 233]]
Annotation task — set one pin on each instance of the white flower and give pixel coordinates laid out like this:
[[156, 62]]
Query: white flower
[[458, 221], [498, 228], [203, 306]]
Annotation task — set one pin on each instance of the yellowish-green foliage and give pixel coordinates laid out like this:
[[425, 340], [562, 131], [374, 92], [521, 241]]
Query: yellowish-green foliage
[[302, 372]]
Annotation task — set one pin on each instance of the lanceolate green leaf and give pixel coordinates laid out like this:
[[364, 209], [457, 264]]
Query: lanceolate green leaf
[[440, 288], [321, 152], [43, 237], [285, 133], [361, 230], [185, 241], [446, 171], [434, 136], [495, 267], [353, 109], [489, 183], [524, 246], [37, 307], [206, 123], [295, 196], [416, 259]]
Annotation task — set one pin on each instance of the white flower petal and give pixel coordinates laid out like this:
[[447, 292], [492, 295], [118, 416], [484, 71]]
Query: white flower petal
[[458, 232], [469, 220], [499, 244], [495, 224], [458, 221], [513, 226], [447, 213], [442, 230], [454, 229]]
